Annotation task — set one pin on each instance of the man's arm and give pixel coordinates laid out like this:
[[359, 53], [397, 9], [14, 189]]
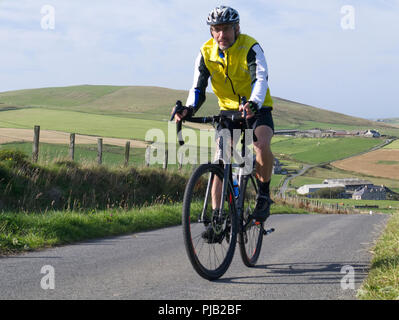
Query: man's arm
[[257, 67], [196, 96]]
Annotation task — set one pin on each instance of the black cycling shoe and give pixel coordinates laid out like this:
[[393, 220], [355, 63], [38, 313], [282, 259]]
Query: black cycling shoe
[[210, 236], [262, 209]]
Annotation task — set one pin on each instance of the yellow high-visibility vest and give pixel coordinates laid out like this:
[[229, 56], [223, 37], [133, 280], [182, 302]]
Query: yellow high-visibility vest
[[230, 76]]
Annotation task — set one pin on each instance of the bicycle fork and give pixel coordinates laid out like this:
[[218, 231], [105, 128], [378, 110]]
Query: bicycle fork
[[209, 186]]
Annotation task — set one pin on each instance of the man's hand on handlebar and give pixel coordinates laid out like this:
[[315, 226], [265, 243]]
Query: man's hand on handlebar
[[250, 108], [180, 112], [248, 111], [181, 116]]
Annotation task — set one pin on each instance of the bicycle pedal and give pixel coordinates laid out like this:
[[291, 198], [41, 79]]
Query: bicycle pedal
[[269, 231]]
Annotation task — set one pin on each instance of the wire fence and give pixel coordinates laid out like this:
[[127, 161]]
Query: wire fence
[[314, 205], [47, 146]]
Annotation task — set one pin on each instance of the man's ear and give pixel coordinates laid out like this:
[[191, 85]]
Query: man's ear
[[237, 30]]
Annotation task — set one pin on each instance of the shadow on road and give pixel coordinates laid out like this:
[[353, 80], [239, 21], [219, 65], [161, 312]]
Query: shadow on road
[[303, 273]]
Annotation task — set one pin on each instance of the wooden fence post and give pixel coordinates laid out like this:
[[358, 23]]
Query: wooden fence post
[[127, 153], [100, 151], [180, 160], [35, 150], [72, 146], [165, 161], [147, 156]]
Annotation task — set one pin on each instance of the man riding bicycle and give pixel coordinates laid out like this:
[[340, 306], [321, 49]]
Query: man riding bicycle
[[237, 67]]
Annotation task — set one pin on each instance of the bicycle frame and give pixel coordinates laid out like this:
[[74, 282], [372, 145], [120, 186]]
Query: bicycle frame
[[227, 172]]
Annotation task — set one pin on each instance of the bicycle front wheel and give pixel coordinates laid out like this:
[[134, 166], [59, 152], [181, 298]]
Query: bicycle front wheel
[[209, 238], [251, 232]]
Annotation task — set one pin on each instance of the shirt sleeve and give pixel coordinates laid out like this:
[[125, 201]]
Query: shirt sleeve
[[257, 67], [197, 96]]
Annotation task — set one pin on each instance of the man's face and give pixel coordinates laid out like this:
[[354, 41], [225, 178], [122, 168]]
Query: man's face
[[224, 35]]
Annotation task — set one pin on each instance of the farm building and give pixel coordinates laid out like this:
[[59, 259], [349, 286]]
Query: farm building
[[277, 169], [372, 134], [370, 193], [314, 133], [351, 184], [340, 133], [286, 132], [309, 188]]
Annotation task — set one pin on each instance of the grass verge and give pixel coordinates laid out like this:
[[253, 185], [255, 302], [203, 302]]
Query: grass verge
[[382, 282], [20, 232], [28, 231]]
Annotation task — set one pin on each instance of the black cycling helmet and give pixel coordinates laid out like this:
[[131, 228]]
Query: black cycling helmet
[[223, 14]]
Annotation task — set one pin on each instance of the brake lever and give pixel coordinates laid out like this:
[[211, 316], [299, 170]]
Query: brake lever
[[178, 109], [179, 132]]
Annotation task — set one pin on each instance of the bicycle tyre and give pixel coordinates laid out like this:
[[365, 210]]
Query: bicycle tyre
[[250, 239], [210, 260]]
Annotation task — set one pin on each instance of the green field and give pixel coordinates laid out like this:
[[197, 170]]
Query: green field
[[319, 150], [151, 103], [49, 153], [82, 123], [113, 156], [388, 162], [155, 103], [293, 151], [393, 145]]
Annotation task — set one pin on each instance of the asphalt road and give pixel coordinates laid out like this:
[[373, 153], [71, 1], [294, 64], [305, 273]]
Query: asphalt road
[[304, 258]]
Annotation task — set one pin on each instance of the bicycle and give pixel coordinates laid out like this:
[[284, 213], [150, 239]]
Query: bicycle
[[210, 237]]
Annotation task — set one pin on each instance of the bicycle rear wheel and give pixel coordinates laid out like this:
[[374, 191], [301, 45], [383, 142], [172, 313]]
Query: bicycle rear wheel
[[210, 241], [251, 232]]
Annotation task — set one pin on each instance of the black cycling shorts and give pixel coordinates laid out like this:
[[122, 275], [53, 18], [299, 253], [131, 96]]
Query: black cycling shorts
[[262, 117]]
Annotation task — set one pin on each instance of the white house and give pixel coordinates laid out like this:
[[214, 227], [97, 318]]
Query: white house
[[370, 193], [372, 134]]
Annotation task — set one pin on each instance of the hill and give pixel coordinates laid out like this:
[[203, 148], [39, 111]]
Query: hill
[[154, 103], [390, 121]]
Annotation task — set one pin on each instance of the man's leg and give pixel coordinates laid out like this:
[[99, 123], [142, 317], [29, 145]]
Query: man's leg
[[264, 155], [217, 185], [264, 168], [216, 192]]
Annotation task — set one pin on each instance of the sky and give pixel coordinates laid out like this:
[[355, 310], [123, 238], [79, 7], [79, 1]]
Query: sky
[[337, 55]]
